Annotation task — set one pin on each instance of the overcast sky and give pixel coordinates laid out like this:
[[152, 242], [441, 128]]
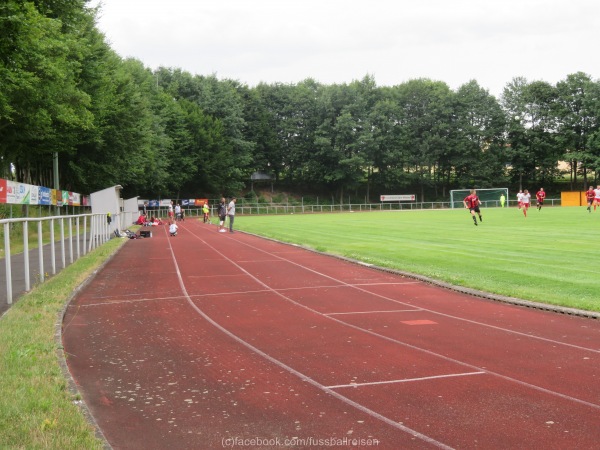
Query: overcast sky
[[337, 41]]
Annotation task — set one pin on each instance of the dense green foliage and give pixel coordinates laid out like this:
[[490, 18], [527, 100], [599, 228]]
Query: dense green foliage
[[168, 133]]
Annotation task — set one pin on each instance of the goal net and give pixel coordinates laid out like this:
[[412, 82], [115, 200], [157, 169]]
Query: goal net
[[488, 197]]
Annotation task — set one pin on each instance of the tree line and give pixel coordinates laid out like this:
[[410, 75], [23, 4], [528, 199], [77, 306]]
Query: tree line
[[167, 133]]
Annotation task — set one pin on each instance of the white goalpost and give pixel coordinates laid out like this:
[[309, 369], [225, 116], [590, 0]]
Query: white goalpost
[[489, 197]]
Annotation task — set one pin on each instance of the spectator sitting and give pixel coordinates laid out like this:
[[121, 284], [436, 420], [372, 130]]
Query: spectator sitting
[[141, 220]]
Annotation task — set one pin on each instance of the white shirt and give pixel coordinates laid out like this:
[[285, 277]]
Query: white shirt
[[231, 208], [526, 198], [173, 228], [597, 192]]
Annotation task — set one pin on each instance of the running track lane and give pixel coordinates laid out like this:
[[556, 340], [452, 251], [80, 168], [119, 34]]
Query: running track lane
[[189, 341]]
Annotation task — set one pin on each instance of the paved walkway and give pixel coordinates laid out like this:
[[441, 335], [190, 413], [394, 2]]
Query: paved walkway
[[18, 270]]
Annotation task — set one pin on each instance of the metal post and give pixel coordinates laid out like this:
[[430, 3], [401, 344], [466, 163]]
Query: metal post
[[70, 219], [56, 178], [41, 251], [7, 263], [62, 242], [84, 234], [77, 236], [26, 255], [52, 247]]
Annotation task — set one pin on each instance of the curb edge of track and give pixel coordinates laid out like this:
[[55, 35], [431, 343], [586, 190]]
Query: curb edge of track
[[62, 360], [465, 290]]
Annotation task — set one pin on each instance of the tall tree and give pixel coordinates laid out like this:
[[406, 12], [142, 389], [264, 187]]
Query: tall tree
[[479, 156], [42, 107], [577, 123], [427, 114]]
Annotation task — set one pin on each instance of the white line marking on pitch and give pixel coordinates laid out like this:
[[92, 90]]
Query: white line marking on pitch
[[407, 380]]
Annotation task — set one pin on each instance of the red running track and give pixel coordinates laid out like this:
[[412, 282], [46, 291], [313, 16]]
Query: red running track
[[208, 339]]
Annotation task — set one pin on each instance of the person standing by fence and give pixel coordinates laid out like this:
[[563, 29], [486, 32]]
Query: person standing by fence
[[205, 213], [231, 213], [222, 213]]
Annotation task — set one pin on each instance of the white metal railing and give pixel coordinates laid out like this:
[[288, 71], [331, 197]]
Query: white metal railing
[[245, 207], [257, 208], [87, 230]]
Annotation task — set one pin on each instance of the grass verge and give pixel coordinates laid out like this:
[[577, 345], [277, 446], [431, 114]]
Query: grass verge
[[37, 409]]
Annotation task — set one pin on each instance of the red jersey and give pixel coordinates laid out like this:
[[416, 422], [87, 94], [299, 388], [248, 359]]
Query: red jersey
[[590, 195], [540, 195], [472, 201]]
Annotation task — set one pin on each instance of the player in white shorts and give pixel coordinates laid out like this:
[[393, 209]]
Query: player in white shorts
[[596, 197], [525, 201]]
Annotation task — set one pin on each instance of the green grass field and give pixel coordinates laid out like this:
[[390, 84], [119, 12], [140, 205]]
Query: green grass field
[[549, 257]]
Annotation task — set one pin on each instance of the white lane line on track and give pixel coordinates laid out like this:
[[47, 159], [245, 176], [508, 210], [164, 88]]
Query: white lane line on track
[[406, 380], [429, 352], [371, 312], [358, 287], [291, 370], [137, 300]]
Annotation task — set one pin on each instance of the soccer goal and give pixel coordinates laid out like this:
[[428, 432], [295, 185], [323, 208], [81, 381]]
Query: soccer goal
[[488, 197]]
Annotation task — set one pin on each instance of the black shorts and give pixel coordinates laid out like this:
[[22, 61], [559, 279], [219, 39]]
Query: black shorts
[[222, 217], [476, 209]]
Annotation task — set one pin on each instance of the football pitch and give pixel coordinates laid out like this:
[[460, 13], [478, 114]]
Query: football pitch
[[549, 257]]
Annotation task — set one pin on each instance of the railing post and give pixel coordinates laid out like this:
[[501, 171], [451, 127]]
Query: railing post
[[26, 255], [62, 242], [70, 219], [84, 234], [41, 251], [92, 225], [52, 247], [7, 262], [77, 237]]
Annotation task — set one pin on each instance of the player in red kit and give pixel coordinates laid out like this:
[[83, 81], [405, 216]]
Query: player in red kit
[[589, 196], [472, 203], [540, 196]]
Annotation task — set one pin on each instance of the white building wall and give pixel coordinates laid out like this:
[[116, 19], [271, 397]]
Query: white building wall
[[130, 211], [108, 201]]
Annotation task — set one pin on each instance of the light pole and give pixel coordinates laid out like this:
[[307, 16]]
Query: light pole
[[56, 183]]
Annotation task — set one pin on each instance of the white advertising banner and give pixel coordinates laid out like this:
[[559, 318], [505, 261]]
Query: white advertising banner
[[397, 198]]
